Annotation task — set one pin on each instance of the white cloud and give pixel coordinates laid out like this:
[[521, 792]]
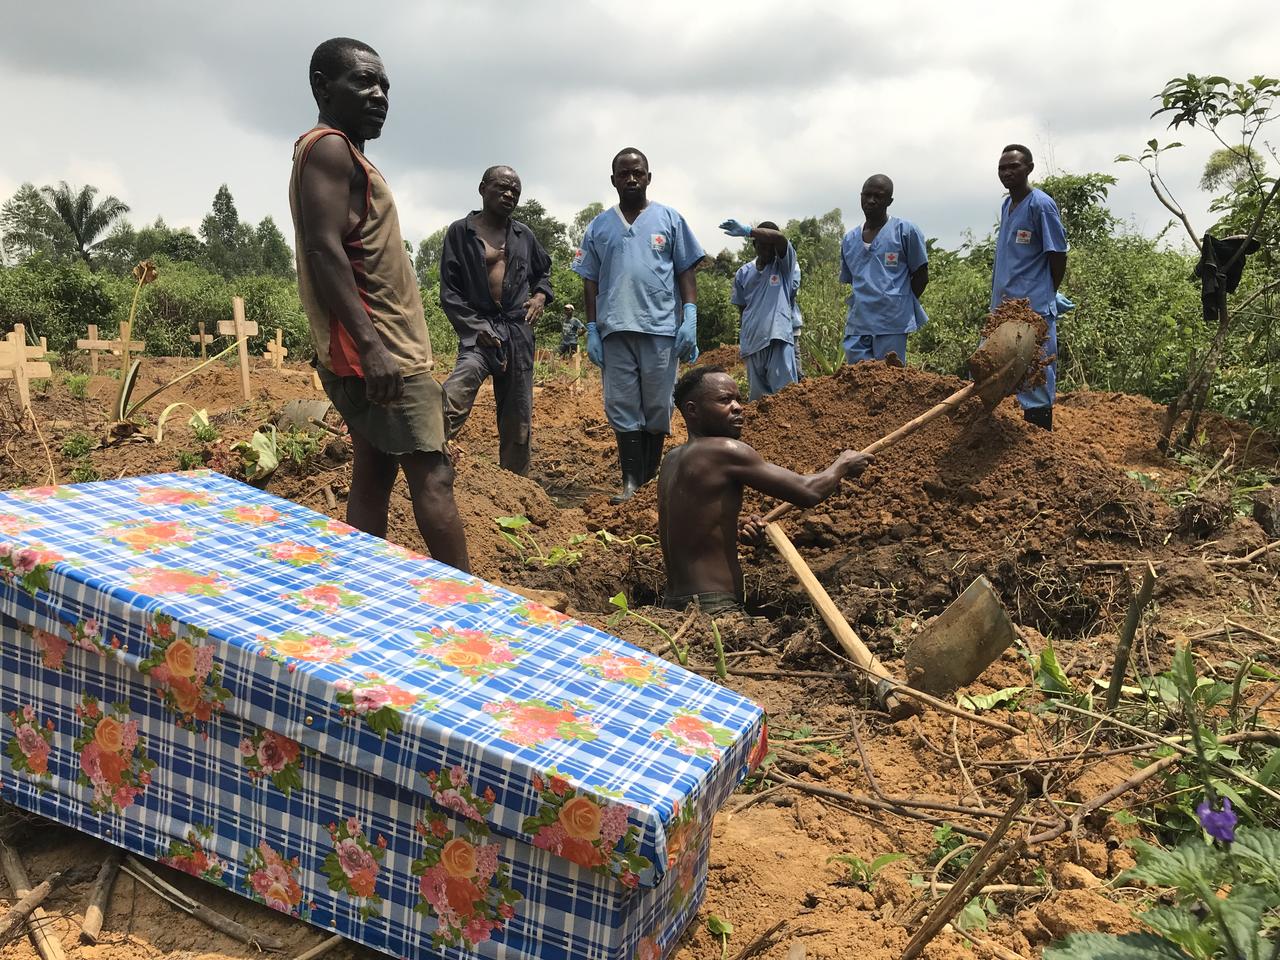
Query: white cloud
[[769, 110]]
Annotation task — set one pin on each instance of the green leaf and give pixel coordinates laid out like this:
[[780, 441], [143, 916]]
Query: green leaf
[[719, 927], [1242, 912], [989, 701], [1050, 677], [1104, 946], [1260, 847], [1186, 866], [512, 523], [1267, 774], [882, 861], [1178, 924], [619, 600], [973, 916]]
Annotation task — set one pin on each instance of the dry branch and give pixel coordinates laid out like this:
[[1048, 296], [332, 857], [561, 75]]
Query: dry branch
[[39, 923]]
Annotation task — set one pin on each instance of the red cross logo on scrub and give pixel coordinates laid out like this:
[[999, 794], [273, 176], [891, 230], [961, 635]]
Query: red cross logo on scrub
[[774, 280], [890, 259], [658, 242], [1022, 236]]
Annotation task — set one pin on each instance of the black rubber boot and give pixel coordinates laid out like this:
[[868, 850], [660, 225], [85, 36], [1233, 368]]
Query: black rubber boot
[[1041, 416], [652, 453], [631, 448]]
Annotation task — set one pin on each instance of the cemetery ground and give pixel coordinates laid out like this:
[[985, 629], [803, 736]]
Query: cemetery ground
[[1064, 525]]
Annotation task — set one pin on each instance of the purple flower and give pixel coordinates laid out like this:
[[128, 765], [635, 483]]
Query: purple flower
[[1219, 824]]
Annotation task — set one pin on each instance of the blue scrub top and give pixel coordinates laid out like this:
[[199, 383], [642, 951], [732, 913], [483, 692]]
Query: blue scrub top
[[636, 265], [768, 299], [1028, 232], [880, 301]]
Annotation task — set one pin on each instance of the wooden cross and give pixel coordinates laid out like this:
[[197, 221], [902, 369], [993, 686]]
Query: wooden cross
[[241, 329], [121, 345], [202, 338], [18, 362], [276, 351]]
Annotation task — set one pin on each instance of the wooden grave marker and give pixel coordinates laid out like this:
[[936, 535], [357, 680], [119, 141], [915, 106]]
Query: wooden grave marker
[[121, 346], [202, 340], [241, 329], [276, 351], [19, 362]]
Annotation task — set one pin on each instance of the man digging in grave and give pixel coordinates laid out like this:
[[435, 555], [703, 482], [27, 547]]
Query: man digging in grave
[[495, 280], [700, 493], [360, 292]]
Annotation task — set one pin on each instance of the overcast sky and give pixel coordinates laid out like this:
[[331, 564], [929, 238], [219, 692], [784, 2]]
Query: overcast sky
[[757, 111]]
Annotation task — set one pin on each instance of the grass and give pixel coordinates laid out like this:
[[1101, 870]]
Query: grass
[[77, 444], [77, 385], [84, 472]]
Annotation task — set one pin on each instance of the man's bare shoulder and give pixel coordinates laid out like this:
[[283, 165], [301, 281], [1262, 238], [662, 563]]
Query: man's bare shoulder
[[330, 155], [718, 449]]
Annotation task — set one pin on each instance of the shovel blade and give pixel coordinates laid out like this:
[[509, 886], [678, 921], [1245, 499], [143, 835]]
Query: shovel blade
[[296, 416], [1002, 362], [966, 639]]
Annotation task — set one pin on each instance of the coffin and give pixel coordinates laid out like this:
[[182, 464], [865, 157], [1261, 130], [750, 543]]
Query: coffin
[[349, 732]]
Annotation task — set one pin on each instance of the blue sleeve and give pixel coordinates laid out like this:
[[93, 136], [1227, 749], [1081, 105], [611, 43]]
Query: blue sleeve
[[913, 244], [845, 275], [586, 263], [1055, 238], [685, 249], [739, 296], [791, 270]]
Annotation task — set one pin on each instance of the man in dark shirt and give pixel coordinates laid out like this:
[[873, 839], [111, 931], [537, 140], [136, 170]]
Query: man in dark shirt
[[495, 281]]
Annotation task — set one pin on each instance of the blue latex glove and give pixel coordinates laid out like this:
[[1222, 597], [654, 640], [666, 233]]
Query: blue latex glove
[[1064, 303], [595, 346], [687, 334], [736, 228]]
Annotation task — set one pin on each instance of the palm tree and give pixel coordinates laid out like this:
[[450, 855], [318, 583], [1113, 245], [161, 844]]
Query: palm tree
[[87, 222]]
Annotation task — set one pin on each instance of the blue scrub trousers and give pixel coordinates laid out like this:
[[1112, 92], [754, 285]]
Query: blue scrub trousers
[[639, 375], [1046, 393], [869, 347], [771, 369]]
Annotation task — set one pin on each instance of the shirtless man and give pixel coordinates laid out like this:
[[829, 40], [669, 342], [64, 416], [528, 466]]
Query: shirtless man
[[495, 280], [700, 493]]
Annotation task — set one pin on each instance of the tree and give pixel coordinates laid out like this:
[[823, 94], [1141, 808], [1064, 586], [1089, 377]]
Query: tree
[[159, 239], [427, 263], [1228, 168], [221, 232], [1082, 201], [274, 255], [549, 231], [30, 227], [582, 220], [86, 220]]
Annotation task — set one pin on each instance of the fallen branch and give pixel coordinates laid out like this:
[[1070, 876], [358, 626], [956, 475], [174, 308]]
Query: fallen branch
[[207, 916], [760, 942], [323, 947], [99, 896], [16, 916], [38, 922]]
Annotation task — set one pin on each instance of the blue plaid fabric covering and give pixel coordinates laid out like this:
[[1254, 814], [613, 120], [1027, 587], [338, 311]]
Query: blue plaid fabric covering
[[350, 732]]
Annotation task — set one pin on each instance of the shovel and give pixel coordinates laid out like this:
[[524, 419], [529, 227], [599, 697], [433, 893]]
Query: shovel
[[1006, 356], [304, 416]]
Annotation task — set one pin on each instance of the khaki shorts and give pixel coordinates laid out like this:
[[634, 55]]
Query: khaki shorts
[[413, 423]]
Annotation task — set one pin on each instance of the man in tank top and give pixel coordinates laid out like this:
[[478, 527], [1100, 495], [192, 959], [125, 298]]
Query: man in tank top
[[361, 296], [495, 280]]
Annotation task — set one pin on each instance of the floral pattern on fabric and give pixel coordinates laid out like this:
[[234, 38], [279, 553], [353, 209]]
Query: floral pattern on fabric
[[297, 554], [272, 880], [113, 756], [619, 668], [311, 647], [183, 669], [473, 653], [28, 567], [328, 527], [528, 723], [85, 634], [322, 598], [157, 581], [268, 755], [647, 948], [16, 524], [540, 615], [254, 515], [693, 736], [460, 879], [40, 494], [379, 702], [175, 497], [150, 536], [584, 831], [396, 552], [193, 857], [682, 853], [32, 742], [448, 593], [352, 867]]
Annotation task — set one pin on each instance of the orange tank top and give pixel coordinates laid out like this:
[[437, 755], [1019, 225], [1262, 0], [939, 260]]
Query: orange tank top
[[380, 266]]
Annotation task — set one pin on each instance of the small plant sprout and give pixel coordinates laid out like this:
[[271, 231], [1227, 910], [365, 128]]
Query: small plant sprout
[[862, 874], [260, 455], [722, 929], [515, 530], [721, 669], [77, 444], [619, 600], [77, 385]]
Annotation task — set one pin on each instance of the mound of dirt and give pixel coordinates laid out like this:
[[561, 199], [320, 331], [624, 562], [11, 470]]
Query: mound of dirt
[[973, 494]]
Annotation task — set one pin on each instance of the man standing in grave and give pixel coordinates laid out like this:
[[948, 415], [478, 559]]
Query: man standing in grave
[[886, 266], [637, 263], [1031, 260], [764, 291], [360, 293], [495, 280]]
